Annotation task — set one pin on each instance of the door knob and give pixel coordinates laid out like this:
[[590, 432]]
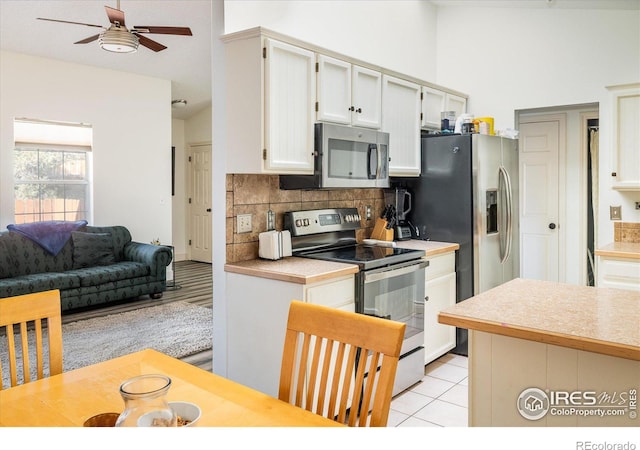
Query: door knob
[[208, 209], [552, 226]]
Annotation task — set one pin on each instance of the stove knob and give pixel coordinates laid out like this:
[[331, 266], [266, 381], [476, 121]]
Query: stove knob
[[298, 222], [305, 222]]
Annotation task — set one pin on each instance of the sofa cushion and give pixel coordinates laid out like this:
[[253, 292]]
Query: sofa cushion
[[120, 237], [27, 284], [27, 257], [6, 266], [92, 249], [96, 276]]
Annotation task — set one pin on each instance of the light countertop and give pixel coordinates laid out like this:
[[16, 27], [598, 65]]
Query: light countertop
[[306, 271], [630, 250], [432, 248], [599, 320], [292, 269]]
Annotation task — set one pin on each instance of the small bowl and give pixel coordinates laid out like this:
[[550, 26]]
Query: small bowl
[[102, 420], [186, 411]]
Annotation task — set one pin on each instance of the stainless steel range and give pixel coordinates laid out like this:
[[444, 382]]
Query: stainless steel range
[[390, 283]]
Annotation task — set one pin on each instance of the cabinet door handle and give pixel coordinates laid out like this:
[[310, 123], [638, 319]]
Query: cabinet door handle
[[426, 299], [359, 110], [352, 108]]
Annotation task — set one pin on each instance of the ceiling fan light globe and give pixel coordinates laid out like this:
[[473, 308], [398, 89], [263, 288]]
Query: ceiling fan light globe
[[118, 40]]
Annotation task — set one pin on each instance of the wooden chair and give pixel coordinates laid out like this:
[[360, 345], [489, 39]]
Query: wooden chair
[[28, 312], [323, 364]]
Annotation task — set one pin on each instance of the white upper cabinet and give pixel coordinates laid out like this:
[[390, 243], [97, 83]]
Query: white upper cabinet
[[625, 108], [270, 105], [367, 97], [289, 107], [348, 94], [455, 103], [433, 101], [401, 119]]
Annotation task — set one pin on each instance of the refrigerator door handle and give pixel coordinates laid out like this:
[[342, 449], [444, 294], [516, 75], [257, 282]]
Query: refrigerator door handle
[[506, 182]]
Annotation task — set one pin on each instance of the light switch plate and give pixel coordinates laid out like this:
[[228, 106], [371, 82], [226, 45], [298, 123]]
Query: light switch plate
[[615, 212], [244, 223]]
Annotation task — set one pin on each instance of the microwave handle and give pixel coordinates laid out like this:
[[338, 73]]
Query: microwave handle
[[374, 174]]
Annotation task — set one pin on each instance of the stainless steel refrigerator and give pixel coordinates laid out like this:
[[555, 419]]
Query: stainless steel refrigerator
[[468, 193]]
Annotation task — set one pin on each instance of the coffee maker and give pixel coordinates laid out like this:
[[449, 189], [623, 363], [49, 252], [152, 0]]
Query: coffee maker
[[400, 200]]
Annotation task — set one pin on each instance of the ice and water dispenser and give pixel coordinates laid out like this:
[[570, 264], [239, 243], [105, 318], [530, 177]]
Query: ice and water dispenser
[[492, 211]]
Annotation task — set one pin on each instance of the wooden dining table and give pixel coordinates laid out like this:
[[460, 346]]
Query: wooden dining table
[[68, 399]]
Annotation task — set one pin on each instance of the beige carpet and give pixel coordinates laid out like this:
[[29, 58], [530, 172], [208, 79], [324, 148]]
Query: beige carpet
[[178, 329]]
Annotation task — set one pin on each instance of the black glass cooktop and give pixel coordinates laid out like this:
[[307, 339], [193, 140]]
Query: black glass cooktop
[[366, 256]]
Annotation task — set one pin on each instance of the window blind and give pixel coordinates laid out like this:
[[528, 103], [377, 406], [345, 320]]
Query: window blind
[[30, 133]]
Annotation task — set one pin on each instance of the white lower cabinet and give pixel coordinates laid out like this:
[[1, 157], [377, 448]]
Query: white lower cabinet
[[257, 314], [618, 273], [440, 293]]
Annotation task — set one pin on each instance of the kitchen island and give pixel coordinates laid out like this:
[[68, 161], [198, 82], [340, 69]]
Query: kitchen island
[[551, 354]]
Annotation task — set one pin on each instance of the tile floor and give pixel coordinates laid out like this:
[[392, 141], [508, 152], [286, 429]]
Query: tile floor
[[439, 400]]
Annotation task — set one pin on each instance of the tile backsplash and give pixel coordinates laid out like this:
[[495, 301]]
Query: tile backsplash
[[626, 232], [256, 194]]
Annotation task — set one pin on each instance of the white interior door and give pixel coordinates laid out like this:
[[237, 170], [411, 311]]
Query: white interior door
[[200, 203], [539, 234]]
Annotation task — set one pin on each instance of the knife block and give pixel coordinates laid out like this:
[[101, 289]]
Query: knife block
[[380, 231]]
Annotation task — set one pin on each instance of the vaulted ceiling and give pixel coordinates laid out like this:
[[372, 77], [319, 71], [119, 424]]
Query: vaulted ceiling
[[186, 61]]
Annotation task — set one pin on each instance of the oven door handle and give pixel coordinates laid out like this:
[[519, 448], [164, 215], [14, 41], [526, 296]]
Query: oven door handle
[[393, 271]]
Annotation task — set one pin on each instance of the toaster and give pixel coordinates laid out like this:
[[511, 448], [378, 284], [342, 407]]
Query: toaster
[[274, 244]]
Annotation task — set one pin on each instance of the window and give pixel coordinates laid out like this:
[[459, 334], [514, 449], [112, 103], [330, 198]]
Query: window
[[52, 163]]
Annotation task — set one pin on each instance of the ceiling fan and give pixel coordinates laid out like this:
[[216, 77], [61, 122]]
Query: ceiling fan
[[119, 39]]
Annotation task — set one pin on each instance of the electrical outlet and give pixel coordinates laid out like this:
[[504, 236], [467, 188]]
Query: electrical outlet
[[615, 212], [244, 223]]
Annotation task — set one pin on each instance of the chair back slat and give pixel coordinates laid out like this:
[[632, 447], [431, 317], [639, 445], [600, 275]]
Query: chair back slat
[[325, 359], [27, 313]]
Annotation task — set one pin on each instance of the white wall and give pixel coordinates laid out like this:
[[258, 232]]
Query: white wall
[[195, 130], [396, 35], [131, 120], [178, 201], [198, 127], [511, 59]]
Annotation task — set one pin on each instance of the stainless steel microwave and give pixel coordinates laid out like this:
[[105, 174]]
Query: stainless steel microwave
[[345, 157]]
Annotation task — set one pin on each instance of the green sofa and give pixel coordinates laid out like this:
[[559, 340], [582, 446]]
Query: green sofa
[[97, 265]]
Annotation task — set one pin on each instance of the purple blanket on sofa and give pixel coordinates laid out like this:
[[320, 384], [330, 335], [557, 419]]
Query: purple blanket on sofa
[[51, 235]]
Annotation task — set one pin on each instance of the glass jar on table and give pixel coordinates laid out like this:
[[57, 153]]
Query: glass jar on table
[[145, 400]]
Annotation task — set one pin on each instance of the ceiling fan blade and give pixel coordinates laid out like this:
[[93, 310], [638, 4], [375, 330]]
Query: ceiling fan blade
[[181, 31], [89, 39], [67, 21], [150, 44], [115, 15]]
